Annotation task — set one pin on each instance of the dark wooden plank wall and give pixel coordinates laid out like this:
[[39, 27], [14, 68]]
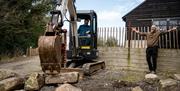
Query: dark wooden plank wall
[[150, 9]]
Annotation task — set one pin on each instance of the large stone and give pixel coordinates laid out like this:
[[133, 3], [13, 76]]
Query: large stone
[[4, 73], [70, 77], [48, 88], [177, 77], [20, 90], [167, 83], [137, 88], [67, 87], [151, 78], [11, 83], [34, 82]]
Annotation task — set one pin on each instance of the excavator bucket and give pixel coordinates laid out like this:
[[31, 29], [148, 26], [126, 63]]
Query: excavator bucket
[[50, 54]]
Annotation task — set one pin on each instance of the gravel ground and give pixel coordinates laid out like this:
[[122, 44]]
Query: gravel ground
[[103, 80], [23, 65]]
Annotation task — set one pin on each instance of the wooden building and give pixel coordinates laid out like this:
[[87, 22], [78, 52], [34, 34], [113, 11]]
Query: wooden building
[[163, 13]]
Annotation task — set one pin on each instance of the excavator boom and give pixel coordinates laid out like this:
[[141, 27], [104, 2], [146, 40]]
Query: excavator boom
[[52, 44]]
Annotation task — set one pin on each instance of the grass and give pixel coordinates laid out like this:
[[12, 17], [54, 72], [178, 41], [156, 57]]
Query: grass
[[4, 58]]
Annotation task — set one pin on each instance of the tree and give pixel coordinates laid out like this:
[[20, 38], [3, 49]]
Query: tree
[[21, 23]]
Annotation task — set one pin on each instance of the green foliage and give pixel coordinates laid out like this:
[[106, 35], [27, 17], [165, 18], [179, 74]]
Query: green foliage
[[21, 23], [100, 42], [111, 42]]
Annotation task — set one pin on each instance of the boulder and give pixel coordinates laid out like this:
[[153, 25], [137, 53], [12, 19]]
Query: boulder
[[70, 77], [48, 88], [151, 78], [67, 87], [4, 73], [34, 82], [11, 83], [168, 82], [177, 77], [20, 90], [137, 88]]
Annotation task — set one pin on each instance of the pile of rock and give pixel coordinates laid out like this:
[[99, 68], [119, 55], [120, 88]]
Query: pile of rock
[[157, 84], [10, 80], [36, 81]]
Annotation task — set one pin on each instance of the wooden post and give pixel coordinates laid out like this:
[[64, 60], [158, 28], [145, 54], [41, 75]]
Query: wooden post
[[129, 34], [166, 41], [138, 37], [116, 33], [162, 38], [120, 36], [160, 42], [125, 31], [123, 37], [177, 39], [134, 40], [170, 40], [104, 35], [174, 39], [141, 36]]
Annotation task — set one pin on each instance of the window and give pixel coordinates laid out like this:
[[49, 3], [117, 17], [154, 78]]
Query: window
[[164, 24], [161, 24]]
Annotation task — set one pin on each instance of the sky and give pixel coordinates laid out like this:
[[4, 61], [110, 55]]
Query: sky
[[109, 12]]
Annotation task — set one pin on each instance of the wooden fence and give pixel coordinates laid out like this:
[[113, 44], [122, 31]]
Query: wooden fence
[[117, 34], [169, 40], [32, 51]]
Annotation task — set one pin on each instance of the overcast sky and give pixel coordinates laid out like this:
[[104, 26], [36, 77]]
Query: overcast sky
[[109, 12]]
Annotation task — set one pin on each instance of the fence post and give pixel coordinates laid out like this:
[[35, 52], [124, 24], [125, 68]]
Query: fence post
[[129, 35], [174, 39], [177, 39]]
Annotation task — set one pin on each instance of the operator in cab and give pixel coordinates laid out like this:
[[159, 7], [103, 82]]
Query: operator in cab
[[84, 29], [84, 33]]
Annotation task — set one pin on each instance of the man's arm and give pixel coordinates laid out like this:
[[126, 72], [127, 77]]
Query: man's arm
[[79, 29], [137, 31], [172, 29]]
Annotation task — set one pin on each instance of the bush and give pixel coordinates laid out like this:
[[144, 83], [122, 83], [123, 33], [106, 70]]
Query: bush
[[111, 42], [100, 42]]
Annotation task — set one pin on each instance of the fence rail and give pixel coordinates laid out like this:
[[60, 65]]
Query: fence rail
[[119, 36]]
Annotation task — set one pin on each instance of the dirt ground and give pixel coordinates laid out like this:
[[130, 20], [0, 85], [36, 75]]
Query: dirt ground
[[23, 65], [103, 80]]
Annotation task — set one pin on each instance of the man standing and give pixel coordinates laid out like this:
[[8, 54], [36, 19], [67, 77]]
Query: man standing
[[152, 45]]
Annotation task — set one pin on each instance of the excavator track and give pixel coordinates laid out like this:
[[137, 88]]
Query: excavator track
[[91, 68], [86, 69]]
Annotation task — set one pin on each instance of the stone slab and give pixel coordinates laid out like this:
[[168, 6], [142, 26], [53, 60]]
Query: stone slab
[[11, 83], [70, 77]]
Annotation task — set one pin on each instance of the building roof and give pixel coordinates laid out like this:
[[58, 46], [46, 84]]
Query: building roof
[[154, 9]]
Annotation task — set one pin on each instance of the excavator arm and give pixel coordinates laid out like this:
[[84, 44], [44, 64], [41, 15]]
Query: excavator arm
[[52, 44]]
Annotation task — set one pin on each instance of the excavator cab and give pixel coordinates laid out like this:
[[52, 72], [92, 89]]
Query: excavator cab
[[87, 36]]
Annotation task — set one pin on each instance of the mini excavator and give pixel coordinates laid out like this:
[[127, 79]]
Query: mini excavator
[[52, 45]]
